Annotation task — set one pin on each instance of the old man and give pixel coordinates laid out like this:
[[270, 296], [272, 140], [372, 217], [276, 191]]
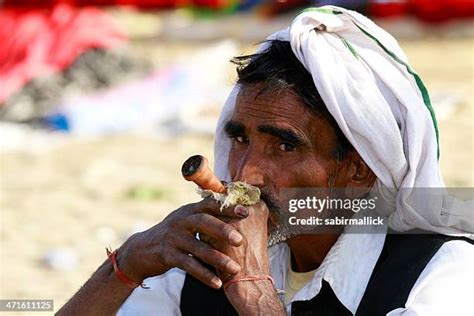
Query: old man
[[330, 102]]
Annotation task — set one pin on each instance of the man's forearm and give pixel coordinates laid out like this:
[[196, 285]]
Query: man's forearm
[[102, 294], [155, 251], [255, 298]]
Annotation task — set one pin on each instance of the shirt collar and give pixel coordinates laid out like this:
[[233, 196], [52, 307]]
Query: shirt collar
[[347, 267]]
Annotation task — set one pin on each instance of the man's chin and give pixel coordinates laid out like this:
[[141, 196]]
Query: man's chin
[[283, 231], [279, 227], [280, 234]]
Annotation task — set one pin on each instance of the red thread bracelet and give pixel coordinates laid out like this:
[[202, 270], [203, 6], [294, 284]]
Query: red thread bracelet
[[120, 275], [249, 278]]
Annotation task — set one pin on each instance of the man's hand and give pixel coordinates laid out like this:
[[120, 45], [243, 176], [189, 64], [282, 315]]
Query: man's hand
[[252, 254], [170, 243], [164, 246], [255, 297]]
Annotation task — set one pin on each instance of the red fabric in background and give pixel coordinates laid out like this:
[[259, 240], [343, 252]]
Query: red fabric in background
[[38, 42], [387, 9], [137, 3], [441, 10], [426, 10]]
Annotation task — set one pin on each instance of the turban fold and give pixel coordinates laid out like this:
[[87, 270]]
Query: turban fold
[[382, 107]]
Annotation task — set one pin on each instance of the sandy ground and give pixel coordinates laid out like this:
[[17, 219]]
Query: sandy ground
[[88, 193]]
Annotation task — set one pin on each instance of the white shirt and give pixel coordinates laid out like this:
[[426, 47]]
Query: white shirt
[[444, 287]]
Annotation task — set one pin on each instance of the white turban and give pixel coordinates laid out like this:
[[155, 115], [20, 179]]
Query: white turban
[[381, 106]]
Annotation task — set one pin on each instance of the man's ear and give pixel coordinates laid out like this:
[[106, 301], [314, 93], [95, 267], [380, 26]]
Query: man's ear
[[354, 172]]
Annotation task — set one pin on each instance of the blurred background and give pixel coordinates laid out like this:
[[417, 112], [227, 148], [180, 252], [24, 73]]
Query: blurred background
[[102, 100]]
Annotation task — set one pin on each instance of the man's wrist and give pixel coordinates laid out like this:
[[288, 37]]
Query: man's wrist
[[125, 266], [255, 297]]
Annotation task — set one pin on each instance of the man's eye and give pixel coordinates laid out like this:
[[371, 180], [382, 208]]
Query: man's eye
[[241, 139], [287, 147]]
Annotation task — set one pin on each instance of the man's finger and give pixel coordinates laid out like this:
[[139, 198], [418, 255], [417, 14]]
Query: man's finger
[[197, 270], [211, 206], [237, 211], [208, 240], [214, 228], [209, 255]]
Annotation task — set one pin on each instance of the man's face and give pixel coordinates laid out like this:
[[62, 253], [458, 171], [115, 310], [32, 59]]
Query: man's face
[[278, 142]]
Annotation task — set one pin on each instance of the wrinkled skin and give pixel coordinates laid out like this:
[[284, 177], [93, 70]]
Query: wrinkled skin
[[278, 142], [167, 244], [268, 159]]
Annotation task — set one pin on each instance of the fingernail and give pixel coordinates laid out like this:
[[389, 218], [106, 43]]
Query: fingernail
[[241, 211], [216, 282], [235, 237]]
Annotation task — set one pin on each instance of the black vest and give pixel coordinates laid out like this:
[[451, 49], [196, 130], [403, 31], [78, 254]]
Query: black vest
[[403, 258]]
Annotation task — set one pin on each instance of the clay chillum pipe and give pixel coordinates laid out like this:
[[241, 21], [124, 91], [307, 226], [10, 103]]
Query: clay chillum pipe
[[196, 169]]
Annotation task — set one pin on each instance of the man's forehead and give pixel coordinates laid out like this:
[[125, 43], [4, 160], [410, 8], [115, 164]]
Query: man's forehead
[[257, 102]]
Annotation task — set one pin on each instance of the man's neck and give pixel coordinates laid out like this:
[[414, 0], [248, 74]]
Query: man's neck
[[309, 251]]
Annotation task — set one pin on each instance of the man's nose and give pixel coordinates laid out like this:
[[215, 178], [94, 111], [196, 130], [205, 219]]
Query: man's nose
[[251, 170]]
